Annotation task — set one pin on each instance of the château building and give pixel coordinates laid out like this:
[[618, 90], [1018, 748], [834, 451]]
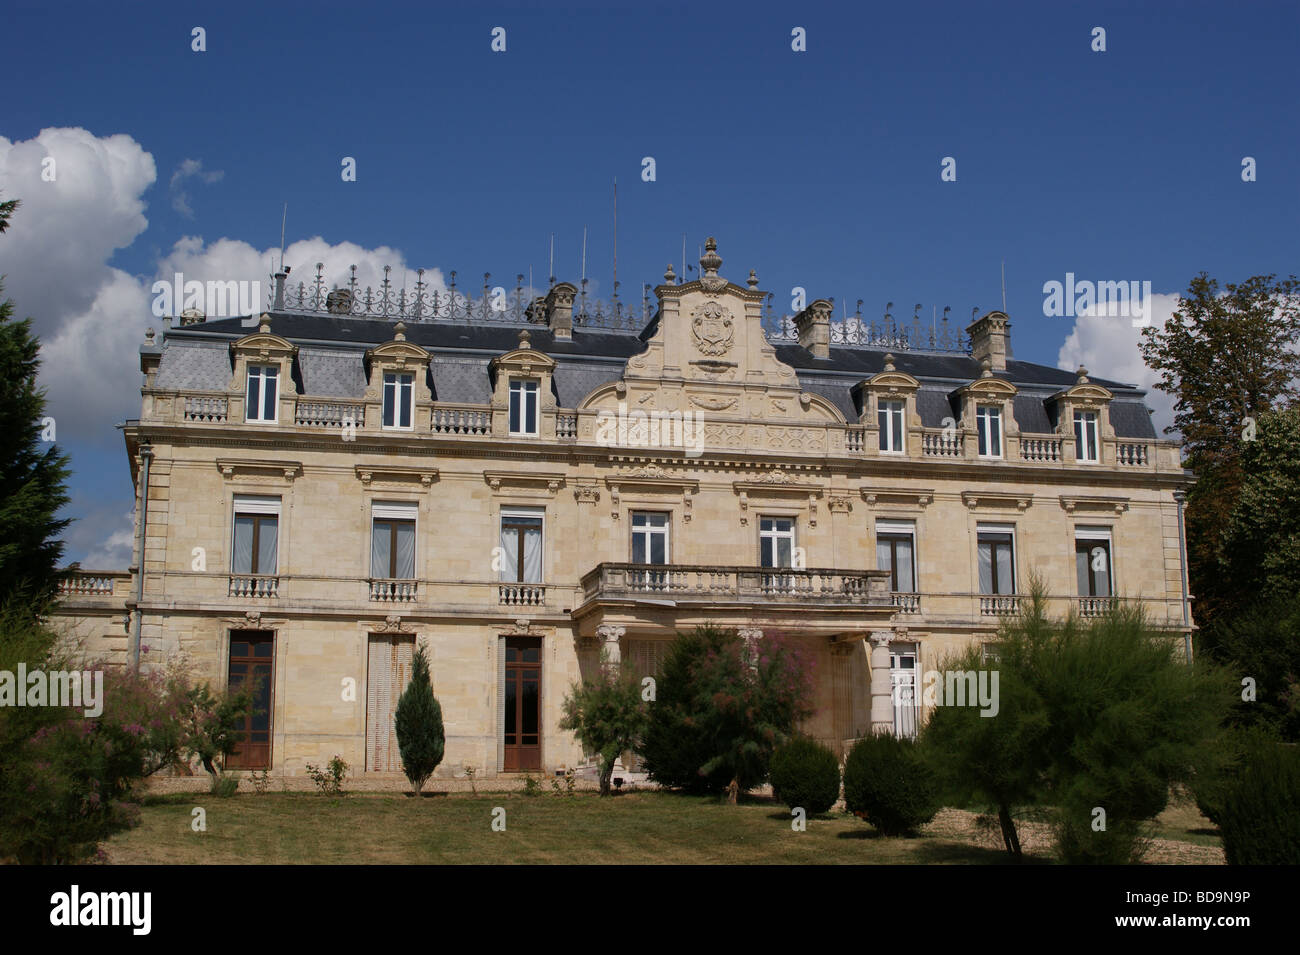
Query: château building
[[527, 485]]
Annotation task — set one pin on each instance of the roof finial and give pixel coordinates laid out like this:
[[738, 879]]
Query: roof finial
[[1083, 376], [986, 368], [399, 332], [523, 338], [889, 361], [752, 281], [264, 325], [670, 278]]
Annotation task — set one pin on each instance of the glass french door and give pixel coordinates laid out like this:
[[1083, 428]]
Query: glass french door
[[523, 704], [252, 663], [902, 679]]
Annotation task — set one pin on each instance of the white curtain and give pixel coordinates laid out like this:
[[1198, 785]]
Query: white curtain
[[905, 583], [533, 555], [986, 567], [1006, 583], [266, 541], [380, 550], [406, 550], [510, 550], [243, 556]]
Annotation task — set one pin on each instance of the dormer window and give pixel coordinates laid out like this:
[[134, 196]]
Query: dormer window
[[399, 400], [889, 416], [988, 420], [1085, 435], [523, 407], [263, 393]]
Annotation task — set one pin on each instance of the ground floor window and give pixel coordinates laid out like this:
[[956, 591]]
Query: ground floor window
[[388, 672], [252, 665]]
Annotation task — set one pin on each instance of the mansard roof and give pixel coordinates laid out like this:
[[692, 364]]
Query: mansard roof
[[330, 363]]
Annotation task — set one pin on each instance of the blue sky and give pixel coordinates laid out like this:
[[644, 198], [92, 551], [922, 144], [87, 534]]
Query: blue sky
[[819, 169]]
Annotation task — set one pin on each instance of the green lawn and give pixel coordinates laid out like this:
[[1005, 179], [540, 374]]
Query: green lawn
[[638, 828]]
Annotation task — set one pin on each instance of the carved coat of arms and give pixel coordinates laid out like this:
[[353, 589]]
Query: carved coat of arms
[[712, 329]]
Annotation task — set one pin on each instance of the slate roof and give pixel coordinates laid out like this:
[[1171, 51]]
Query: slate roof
[[329, 365]]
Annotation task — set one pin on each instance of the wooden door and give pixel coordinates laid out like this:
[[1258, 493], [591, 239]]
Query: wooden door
[[523, 704], [252, 663]]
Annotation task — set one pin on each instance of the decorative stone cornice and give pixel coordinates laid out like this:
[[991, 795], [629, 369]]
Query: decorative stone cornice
[[916, 497], [996, 499], [232, 468], [388, 474], [548, 482], [1071, 503]]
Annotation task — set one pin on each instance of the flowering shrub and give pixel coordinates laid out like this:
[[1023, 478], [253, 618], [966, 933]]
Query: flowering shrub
[[68, 780]]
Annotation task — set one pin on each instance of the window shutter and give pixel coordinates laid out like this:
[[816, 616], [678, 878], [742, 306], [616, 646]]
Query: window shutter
[[376, 674], [403, 653], [501, 704]]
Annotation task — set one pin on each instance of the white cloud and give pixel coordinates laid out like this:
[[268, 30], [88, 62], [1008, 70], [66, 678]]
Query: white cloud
[[56, 250], [189, 169], [1108, 347], [91, 317], [114, 551]]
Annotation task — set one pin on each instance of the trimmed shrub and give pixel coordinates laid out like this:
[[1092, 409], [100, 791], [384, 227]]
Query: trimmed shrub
[[889, 783], [805, 774], [1261, 811]]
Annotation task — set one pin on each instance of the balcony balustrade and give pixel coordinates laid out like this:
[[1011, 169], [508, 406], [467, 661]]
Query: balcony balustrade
[[740, 584], [254, 585], [393, 590]]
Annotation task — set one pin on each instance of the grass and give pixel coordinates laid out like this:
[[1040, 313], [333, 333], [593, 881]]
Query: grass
[[631, 828], [646, 828]]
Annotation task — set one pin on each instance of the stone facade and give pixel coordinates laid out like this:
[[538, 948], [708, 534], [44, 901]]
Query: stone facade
[[736, 444]]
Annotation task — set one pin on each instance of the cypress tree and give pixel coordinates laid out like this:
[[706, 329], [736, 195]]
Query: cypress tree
[[420, 737], [31, 479]]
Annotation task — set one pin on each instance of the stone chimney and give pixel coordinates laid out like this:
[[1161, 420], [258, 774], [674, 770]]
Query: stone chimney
[[814, 327], [559, 309], [990, 338], [278, 302]]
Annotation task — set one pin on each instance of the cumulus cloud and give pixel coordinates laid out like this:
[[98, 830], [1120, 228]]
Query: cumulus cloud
[[57, 248], [114, 550], [91, 317], [190, 169], [1108, 345]]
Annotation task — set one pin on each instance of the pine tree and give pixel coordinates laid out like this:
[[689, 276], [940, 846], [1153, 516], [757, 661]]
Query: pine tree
[[420, 737], [31, 479]]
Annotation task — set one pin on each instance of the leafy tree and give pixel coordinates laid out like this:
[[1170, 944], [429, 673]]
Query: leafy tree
[[210, 724], [608, 716], [996, 761], [722, 709], [31, 479], [1226, 355], [1262, 645], [675, 744], [420, 736], [1101, 713], [1260, 543]]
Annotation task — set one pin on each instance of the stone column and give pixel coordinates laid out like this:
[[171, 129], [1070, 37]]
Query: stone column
[[608, 636], [751, 636], [882, 702]]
